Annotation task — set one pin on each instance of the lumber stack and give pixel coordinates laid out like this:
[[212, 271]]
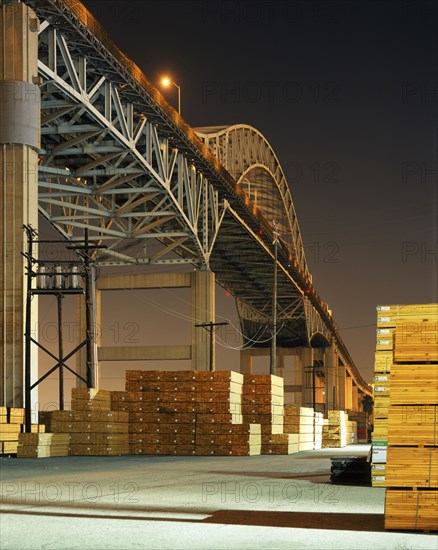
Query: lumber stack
[[43, 445], [300, 421], [224, 438], [335, 430], [92, 432], [386, 321], [411, 500], [11, 426], [187, 412], [90, 399], [219, 426], [351, 431], [162, 412], [263, 402], [361, 418]]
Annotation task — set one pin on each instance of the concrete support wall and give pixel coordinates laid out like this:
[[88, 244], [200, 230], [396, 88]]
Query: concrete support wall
[[203, 311], [19, 142]]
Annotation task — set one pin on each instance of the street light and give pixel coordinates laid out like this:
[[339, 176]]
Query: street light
[[166, 82]]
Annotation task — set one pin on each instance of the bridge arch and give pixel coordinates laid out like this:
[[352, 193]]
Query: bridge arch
[[249, 158]]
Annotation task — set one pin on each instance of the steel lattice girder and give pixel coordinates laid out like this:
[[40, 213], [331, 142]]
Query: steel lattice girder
[[104, 167]]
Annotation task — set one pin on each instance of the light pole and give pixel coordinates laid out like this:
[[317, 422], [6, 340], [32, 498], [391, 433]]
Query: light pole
[[273, 358], [166, 82]]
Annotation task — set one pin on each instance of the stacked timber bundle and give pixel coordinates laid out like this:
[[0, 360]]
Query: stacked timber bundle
[[361, 418], [93, 432], [334, 432], [319, 424], [9, 431], [263, 402], [220, 428], [43, 445], [216, 435], [162, 412], [412, 461], [11, 426], [186, 413], [415, 326], [280, 444], [90, 399], [95, 429], [300, 421], [351, 429], [386, 320]]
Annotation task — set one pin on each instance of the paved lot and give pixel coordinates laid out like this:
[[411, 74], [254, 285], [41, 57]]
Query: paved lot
[[192, 503]]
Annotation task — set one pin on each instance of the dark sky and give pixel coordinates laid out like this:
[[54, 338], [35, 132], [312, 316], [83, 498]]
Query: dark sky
[[346, 93]]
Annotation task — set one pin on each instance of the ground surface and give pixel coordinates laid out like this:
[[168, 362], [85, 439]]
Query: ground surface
[[192, 503]]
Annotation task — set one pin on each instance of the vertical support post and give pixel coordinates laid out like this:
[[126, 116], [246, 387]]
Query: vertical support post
[[348, 392], [203, 311], [273, 358], [20, 115], [331, 370], [341, 386], [59, 298], [89, 314], [28, 343]]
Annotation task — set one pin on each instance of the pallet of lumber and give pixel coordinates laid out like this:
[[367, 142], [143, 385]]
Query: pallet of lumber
[[335, 430], [416, 342], [8, 447], [411, 509], [263, 401], [413, 425], [90, 399], [43, 445], [382, 362], [413, 384], [412, 467], [283, 444]]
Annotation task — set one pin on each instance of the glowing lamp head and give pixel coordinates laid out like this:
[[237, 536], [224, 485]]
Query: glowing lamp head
[[165, 81]]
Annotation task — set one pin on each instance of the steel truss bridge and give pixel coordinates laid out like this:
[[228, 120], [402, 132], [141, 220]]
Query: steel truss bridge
[[118, 161]]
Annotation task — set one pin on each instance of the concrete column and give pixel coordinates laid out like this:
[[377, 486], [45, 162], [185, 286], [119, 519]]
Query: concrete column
[[348, 393], [341, 385], [81, 356], [355, 398], [245, 361], [203, 311], [331, 377], [19, 143]]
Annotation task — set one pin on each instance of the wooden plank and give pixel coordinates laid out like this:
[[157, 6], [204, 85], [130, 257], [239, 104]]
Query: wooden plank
[[413, 425], [411, 510], [412, 467], [414, 384]]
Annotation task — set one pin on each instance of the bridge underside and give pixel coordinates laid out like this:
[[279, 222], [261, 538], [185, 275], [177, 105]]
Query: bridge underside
[[245, 267]]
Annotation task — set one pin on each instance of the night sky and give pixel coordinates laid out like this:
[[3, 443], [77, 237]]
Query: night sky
[[346, 93]]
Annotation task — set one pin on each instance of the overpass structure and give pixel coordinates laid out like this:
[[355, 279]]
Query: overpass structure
[[91, 144]]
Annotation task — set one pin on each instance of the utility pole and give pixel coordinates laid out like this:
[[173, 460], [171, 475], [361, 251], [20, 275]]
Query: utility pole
[[210, 327], [273, 358]]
